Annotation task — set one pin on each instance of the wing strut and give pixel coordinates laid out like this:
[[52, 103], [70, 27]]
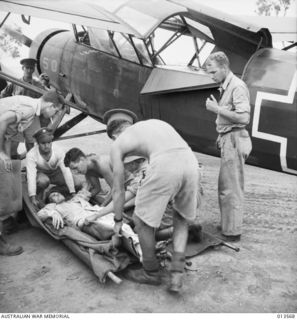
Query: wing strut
[[26, 20], [28, 86], [5, 18], [290, 46]]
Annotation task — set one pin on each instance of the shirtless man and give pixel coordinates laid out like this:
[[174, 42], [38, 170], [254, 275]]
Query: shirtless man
[[95, 167], [92, 166], [171, 176]]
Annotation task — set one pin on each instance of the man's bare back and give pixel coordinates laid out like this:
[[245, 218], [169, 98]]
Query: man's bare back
[[172, 175], [146, 138]]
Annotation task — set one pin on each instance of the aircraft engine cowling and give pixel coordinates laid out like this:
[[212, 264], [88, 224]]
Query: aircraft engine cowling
[[96, 79], [49, 56], [272, 77]]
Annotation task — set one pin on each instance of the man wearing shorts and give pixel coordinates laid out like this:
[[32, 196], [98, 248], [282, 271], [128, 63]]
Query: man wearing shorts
[[12, 89], [171, 176], [17, 113]]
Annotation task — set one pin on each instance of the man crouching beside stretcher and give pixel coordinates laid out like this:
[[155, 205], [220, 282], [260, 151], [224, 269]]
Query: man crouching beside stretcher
[[45, 166], [74, 213]]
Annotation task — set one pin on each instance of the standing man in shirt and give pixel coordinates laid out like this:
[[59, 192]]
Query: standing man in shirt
[[233, 114], [45, 166], [28, 67]]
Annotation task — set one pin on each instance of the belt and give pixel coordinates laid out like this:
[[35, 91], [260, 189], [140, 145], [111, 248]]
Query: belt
[[232, 130]]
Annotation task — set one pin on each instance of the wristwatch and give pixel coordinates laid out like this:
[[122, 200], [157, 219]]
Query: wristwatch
[[117, 220]]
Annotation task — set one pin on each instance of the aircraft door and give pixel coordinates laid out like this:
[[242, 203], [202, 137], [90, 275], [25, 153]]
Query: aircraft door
[[101, 81]]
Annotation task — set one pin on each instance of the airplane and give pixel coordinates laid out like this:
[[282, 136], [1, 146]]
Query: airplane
[[119, 55]]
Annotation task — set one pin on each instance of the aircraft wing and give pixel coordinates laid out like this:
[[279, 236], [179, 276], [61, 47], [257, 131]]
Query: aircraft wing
[[281, 28], [135, 17], [227, 29], [69, 11]]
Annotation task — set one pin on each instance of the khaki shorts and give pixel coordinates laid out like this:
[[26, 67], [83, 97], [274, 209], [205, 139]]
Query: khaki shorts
[[171, 176]]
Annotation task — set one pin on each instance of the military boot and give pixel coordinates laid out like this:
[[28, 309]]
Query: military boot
[[10, 226], [143, 276], [7, 249], [177, 268], [176, 282]]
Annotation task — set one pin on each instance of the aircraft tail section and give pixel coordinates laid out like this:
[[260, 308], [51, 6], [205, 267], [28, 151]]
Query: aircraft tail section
[[272, 80]]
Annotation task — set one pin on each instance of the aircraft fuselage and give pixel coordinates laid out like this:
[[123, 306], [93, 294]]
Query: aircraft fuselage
[[100, 81]]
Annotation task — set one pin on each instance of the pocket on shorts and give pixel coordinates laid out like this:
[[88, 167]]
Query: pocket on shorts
[[228, 147], [245, 147]]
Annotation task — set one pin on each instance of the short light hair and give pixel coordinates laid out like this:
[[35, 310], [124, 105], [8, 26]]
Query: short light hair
[[220, 58]]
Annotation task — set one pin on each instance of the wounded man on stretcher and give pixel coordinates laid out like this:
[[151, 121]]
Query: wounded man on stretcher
[[74, 213]]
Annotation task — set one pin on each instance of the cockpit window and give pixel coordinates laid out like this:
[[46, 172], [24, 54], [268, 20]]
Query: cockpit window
[[115, 43], [101, 40], [173, 48], [180, 41], [125, 47], [81, 34], [141, 51]]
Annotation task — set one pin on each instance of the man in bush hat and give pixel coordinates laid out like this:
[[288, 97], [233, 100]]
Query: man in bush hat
[[28, 67], [171, 176], [45, 166]]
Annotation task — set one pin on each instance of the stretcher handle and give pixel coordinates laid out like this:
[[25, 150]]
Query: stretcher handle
[[226, 244], [114, 278]]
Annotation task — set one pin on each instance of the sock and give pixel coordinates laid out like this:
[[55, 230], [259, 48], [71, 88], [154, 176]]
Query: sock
[[178, 261]]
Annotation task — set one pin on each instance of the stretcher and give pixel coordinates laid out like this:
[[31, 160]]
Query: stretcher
[[105, 258]]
